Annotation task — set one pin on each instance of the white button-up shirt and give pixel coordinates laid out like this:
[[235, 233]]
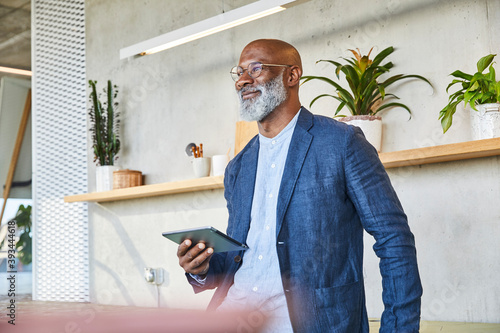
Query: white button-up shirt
[[257, 284]]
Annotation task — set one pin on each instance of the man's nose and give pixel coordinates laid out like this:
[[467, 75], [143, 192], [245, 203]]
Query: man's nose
[[243, 80]]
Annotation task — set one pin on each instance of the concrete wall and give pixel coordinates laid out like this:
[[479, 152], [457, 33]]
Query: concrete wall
[[185, 95]]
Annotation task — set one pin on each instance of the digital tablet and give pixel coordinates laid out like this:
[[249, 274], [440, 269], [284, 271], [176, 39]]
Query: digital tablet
[[212, 237]]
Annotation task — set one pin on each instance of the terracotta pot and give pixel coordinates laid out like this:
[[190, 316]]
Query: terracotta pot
[[371, 127]]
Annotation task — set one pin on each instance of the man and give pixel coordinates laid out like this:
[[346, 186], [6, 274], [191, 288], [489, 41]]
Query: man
[[299, 195]]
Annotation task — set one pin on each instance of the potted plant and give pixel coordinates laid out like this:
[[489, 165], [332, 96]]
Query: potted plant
[[367, 93], [481, 91], [23, 223], [104, 128]]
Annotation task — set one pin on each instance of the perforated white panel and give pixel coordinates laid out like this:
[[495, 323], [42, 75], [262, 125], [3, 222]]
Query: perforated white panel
[[60, 271]]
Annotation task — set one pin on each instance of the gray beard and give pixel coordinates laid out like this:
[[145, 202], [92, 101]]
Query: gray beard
[[273, 93]]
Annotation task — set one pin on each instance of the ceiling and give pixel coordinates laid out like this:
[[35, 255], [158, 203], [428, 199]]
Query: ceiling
[[15, 34]]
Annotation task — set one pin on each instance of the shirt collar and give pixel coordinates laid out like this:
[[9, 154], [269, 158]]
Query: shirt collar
[[284, 134]]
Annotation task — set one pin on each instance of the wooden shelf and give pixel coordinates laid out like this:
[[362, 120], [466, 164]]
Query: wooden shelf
[[443, 153], [402, 158], [183, 186]]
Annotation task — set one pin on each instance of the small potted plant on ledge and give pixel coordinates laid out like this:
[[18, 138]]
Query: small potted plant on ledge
[[104, 128], [481, 91], [368, 92]]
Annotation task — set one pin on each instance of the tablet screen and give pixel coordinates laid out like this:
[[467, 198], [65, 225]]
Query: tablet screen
[[212, 237]]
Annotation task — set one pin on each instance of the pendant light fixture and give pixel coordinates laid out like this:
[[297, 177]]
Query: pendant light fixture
[[208, 27]]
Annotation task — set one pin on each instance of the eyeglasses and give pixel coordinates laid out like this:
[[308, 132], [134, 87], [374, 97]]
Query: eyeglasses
[[254, 69]]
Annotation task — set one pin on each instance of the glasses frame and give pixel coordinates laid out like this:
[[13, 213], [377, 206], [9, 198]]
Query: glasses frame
[[236, 77]]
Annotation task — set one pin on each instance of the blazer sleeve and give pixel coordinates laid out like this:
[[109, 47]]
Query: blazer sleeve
[[213, 274], [382, 216]]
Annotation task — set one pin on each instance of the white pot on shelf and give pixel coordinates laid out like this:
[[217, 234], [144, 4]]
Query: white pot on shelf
[[201, 166], [371, 127], [485, 122], [104, 177]]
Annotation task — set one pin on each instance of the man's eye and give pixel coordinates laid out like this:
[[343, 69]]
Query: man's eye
[[255, 70]]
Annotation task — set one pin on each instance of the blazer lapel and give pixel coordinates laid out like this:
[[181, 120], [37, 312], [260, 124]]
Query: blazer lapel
[[299, 145], [246, 187]]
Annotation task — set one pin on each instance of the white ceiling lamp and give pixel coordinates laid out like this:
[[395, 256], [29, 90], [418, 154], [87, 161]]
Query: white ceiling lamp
[[208, 27], [15, 71]]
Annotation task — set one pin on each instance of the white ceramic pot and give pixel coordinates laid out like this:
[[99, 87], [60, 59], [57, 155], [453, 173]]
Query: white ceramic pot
[[104, 177], [485, 122], [371, 127], [201, 167], [219, 163]]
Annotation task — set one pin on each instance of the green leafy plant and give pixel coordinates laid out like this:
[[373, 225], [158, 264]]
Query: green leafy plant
[[105, 123], [368, 92], [23, 245], [478, 88]]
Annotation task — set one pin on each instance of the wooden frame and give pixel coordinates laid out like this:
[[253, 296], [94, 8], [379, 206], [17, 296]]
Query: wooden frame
[[15, 154]]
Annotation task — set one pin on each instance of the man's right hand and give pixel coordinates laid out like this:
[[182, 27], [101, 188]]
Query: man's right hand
[[194, 260]]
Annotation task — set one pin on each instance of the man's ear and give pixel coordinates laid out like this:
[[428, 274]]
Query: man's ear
[[295, 75]]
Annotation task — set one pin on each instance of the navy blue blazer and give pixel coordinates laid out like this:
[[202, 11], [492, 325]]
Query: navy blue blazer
[[333, 187]]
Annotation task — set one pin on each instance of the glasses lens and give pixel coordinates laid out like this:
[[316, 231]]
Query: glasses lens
[[236, 72], [254, 69]]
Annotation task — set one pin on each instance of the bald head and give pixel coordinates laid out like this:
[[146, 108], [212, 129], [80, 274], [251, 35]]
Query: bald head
[[274, 51]]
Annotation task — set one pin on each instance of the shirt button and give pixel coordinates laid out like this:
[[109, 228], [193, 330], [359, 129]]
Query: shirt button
[[255, 288], [260, 257], [270, 195], [273, 165], [273, 142], [267, 227]]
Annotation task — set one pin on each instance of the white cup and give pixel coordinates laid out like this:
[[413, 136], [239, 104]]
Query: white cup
[[219, 163], [201, 167]]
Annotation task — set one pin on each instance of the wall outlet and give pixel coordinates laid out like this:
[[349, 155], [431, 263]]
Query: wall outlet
[[153, 275]]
